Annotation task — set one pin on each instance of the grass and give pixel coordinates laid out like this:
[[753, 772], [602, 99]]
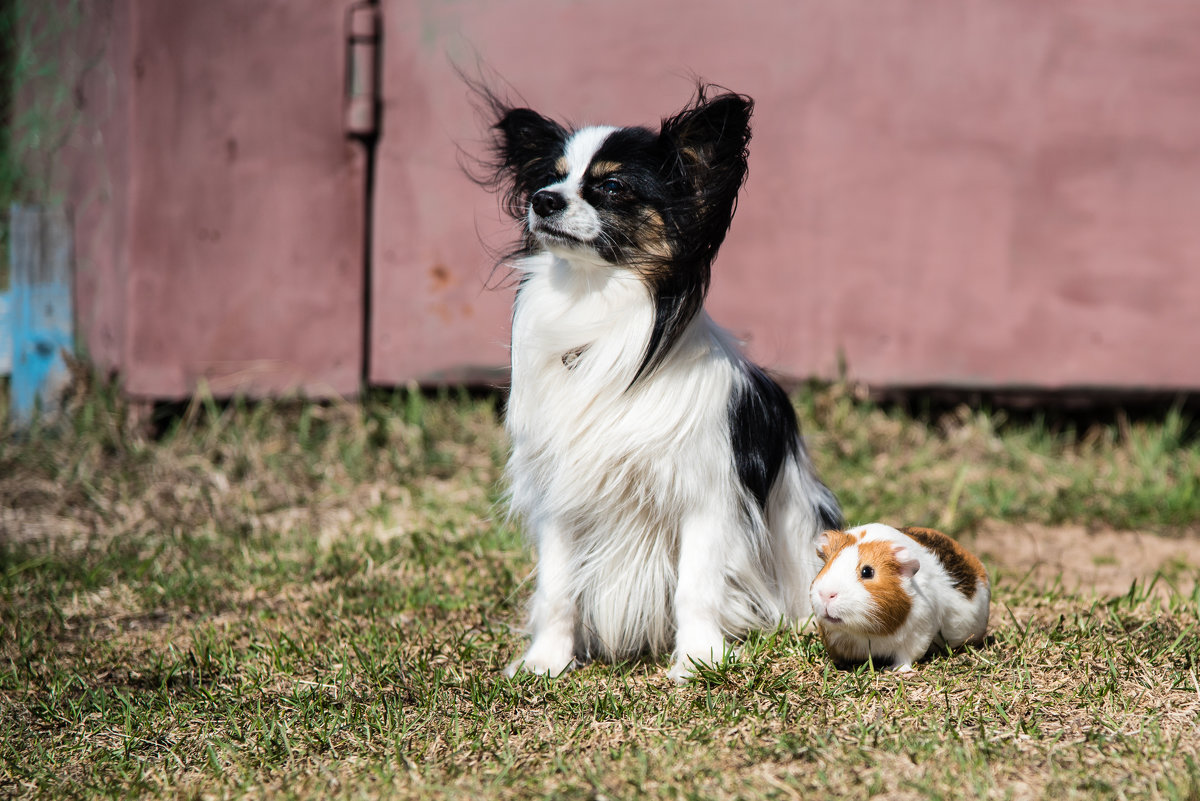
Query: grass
[[300, 600]]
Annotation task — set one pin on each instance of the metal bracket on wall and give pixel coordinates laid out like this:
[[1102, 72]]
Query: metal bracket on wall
[[36, 318], [362, 122], [362, 70]]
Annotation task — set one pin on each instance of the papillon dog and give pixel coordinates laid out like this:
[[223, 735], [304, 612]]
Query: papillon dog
[[660, 474]]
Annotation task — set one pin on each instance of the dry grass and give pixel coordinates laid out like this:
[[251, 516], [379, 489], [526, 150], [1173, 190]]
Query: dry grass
[[295, 600]]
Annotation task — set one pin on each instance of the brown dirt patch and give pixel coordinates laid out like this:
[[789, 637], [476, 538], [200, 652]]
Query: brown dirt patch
[[1103, 563]]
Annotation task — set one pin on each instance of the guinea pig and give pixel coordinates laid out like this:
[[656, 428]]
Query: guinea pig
[[891, 594]]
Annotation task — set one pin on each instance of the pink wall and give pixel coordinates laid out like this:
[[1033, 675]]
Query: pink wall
[[982, 193], [80, 156], [990, 193], [219, 223]]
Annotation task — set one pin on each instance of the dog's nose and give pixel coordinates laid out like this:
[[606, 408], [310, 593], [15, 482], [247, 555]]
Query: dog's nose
[[546, 202]]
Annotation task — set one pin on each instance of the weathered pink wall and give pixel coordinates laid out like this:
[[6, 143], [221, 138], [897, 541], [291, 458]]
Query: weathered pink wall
[[72, 126], [990, 193], [219, 207]]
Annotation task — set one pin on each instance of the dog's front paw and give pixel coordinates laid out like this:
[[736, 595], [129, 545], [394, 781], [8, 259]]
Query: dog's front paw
[[684, 666], [545, 657], [681, 672]]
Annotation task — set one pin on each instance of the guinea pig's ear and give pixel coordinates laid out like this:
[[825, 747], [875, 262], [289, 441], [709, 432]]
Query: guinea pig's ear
[[909, 564], [822, 545]]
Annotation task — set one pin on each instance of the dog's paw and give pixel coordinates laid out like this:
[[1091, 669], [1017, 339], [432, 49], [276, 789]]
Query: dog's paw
[[681, 672], [684, 667], [545, 658]]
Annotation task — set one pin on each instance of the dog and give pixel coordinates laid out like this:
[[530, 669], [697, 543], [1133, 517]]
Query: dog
[[660, 474]]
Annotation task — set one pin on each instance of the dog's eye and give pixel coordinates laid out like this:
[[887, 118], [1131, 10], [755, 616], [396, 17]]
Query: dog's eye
[[613, 186], [867, 572]]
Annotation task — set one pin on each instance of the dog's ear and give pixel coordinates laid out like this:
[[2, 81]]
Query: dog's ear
[[525, 138], [704, 154], [711, 136], [523, 150]]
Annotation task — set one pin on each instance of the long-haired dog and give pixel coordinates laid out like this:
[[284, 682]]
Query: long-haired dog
[[661, 474]]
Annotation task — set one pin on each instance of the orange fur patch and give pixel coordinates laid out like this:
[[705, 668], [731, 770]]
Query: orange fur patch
[[600, 168], [892, 603], [649, 232], [836, 541]]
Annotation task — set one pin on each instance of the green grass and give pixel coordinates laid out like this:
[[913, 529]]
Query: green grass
[[300, 600]]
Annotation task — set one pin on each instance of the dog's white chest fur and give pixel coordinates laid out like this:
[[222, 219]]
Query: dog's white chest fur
[[612, 470], [660, 474]]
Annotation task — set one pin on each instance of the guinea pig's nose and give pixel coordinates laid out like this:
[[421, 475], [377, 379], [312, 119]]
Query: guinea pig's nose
[[545, 202], [828, 595]]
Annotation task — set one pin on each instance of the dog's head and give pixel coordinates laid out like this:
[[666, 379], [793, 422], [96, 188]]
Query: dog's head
[[657, 203]]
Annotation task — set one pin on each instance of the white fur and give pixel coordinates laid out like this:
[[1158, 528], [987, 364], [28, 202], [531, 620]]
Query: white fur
[[940, 613], [579, 219], [646, 539]]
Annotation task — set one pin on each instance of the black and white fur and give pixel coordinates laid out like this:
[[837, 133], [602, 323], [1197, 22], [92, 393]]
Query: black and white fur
[[661, 475]]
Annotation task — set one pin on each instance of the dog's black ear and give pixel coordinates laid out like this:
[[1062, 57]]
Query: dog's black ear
[[522, 148], [525, 136], [710, 136], [704, 148], [526, 147]]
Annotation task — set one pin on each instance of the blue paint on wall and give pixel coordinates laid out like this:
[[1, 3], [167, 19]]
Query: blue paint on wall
[[41, 315], [39, 320], [6, 344]]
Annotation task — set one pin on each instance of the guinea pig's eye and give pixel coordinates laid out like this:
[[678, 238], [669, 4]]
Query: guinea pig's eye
[[867, 572], [613, 186]]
